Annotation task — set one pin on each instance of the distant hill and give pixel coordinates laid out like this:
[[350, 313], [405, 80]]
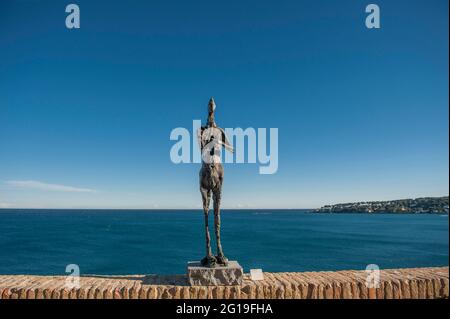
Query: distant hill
[[424, 205]]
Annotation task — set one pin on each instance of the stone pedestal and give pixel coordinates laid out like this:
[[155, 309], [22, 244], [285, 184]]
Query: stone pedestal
[[217, 276]]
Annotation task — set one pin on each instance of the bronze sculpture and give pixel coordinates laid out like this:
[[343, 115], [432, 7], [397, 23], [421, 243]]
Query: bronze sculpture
[[211, 138]]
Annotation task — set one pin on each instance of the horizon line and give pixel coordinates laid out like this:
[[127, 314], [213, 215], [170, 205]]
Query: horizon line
[[211, 210], [200, 208]]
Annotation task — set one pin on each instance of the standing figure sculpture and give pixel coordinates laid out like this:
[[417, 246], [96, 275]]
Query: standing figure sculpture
[[211, 138]]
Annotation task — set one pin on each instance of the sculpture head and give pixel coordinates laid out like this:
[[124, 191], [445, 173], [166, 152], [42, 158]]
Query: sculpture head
[[211, 108], [211, 105]]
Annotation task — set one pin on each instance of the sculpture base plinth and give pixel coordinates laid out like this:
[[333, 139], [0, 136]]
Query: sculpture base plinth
[[217, 276]]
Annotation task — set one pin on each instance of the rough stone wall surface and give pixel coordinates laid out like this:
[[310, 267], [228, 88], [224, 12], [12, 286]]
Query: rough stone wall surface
[[416, 283]]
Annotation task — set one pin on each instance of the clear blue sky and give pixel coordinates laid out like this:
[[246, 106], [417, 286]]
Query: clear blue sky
[[362, 114]]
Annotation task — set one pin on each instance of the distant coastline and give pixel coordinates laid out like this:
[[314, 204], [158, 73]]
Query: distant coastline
[[423, 205]]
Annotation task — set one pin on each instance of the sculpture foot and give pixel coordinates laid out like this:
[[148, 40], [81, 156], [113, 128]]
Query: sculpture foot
[[208, 261], [222, 260]]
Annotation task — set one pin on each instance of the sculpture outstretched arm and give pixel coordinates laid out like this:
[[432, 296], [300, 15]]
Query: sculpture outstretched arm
[[224, 141]]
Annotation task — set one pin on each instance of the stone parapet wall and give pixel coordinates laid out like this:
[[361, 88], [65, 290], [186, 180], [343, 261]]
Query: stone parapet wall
[[421, 283]]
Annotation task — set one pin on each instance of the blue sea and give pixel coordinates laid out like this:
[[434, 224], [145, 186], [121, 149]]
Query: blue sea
[[162, 241]]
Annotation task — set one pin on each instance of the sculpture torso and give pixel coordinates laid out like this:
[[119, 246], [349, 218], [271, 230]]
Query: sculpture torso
[[211, 172]]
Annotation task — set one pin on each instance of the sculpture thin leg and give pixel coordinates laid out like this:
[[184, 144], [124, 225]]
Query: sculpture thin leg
[[220, 258], [209, 259]]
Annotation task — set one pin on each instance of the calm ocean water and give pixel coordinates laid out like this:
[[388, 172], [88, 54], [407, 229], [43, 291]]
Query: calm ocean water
[[145, 242]]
